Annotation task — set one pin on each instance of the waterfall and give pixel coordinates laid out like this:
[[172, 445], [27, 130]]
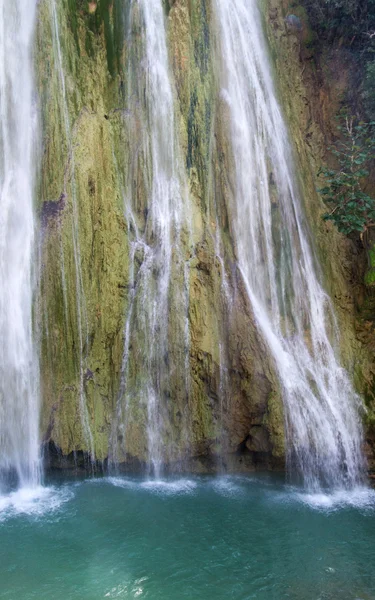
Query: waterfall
[[156, 228], [276, 261], [19, 397]]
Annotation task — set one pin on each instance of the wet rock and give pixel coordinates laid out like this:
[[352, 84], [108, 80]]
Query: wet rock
[[52, 209], [293, 24], [258, 439]]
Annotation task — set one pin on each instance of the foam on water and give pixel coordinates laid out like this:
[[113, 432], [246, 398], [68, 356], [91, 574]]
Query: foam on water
[[158, 486], [173, 488], [34, 502], [231, 487], [122, 482], [360, 497]]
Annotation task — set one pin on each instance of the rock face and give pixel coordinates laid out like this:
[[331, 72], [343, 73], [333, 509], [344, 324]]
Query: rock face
[[228, 410]]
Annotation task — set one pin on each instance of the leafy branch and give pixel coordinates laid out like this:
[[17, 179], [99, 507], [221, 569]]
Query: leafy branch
[[351, 208]]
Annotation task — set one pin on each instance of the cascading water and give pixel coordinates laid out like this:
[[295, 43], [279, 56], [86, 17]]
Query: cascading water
[[292, 310], [156, 248], [19, 397]]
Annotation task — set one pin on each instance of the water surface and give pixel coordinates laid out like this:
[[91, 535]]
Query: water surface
[[197, 538]]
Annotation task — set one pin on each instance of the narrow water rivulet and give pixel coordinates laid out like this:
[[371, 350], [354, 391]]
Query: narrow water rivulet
[[156, 229], [19, 388], [292, 310]]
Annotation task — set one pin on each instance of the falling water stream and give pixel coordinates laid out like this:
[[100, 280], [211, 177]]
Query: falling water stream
[[19, 408], [276, 261], [156, 248]]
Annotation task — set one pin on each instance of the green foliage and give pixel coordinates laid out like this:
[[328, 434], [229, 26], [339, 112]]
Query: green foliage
[[352, 209], [342, 18], [348, 28], [368, 94]]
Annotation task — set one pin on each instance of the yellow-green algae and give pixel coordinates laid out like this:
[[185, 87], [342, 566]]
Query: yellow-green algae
[[82, 168]]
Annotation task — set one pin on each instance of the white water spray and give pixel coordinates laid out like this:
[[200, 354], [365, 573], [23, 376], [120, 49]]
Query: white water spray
[[292, 310], [19, 382]]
